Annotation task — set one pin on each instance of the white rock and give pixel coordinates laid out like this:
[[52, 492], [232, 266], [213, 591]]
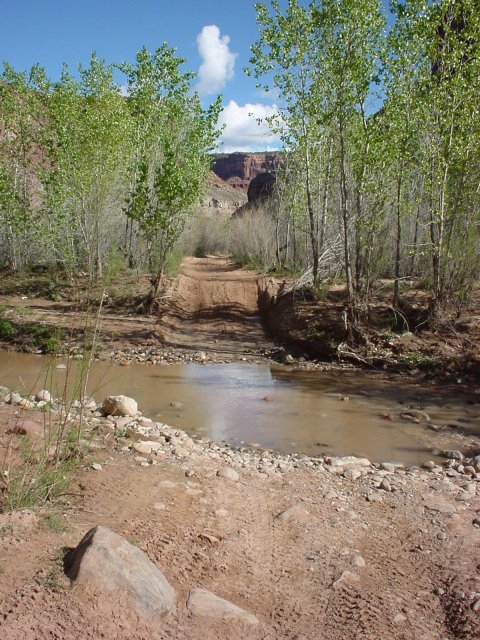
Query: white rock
[[204, 603], [295, 513], [229, 473], [120, 406], [346, 461], [43, 394]]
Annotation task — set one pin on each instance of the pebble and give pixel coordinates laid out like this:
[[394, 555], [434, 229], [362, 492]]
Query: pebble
[[96, 466], [293, 514], [159, 506], [352, 473], [358, 561], [388, 466], [229, 473], [476, 606], [385, 485], [399, 619]]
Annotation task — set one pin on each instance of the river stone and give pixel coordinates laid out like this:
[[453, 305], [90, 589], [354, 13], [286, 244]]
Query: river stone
[[120, 406], [204, 603], [143, 448], [43, 394], [25, 403], [388, 466], [108, 562], [229, 473], [353, 473], [437, 504], [453, 455], [347, 461], [293, 514]]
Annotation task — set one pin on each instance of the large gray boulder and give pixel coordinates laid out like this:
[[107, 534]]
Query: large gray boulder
[[120, 406], [108, 562]]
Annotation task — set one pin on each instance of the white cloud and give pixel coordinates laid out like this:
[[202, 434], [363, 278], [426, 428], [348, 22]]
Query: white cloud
[[243, 132], [218, 64]]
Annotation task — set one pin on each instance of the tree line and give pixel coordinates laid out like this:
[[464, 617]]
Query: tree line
[[88, 175], [379, 116]]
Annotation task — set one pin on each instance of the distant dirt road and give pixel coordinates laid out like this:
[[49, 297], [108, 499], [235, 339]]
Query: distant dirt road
[[213, 305]]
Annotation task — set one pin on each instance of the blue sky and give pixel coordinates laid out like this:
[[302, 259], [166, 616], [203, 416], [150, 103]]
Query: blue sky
[[52, 32], [213, 35]]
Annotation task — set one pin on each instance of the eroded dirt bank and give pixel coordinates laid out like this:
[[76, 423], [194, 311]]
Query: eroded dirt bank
[[367, 551], [213, 305]]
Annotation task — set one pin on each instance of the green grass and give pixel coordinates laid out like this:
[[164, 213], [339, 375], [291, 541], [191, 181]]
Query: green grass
[[55, 522]]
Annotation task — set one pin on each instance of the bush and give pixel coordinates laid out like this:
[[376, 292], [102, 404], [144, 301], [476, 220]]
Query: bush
[[7, 330]]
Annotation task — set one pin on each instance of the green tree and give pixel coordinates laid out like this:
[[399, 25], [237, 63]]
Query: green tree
[[171, 139]]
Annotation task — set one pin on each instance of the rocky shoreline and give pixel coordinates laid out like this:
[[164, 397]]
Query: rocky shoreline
[[119, 417], [206, 513]]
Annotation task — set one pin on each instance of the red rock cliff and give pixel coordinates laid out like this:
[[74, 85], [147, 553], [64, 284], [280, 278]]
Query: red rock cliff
[[239, 169]]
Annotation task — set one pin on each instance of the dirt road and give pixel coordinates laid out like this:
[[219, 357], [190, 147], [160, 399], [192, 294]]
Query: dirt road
[[213, 306], [399, 565]]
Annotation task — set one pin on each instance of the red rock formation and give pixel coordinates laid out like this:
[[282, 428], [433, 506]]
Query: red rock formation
[[239, 169]]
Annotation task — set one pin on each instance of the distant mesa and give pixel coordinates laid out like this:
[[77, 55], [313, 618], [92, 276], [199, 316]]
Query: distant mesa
[[239, 169], [234, 178]]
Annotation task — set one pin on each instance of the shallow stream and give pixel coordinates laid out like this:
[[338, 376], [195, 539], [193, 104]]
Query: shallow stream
[[311, 412]]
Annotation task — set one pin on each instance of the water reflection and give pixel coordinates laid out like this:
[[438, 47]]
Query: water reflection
[[272, 406]]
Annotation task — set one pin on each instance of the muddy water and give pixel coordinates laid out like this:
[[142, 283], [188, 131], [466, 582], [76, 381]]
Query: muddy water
[[309, 412]]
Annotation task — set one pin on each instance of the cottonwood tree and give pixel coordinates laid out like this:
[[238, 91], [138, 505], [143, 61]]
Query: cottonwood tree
[[285, 59], [21, 115], [87, 157], [172, 137]]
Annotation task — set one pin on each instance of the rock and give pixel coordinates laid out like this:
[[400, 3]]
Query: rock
[[399, 619], [29, 428], [476, 606], [437, 504], [15, 398], [453, 455], [120, 406], [385, 485], [293, 514], [229, 473], [106, 561], [358, 561], [96, 466], [429, 464], [388, 466], [43, 394], [444, 485], [204, 603], [346, 461], [347, 578], [143, 448], [159, 506], [353, 473], [26, 404]]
